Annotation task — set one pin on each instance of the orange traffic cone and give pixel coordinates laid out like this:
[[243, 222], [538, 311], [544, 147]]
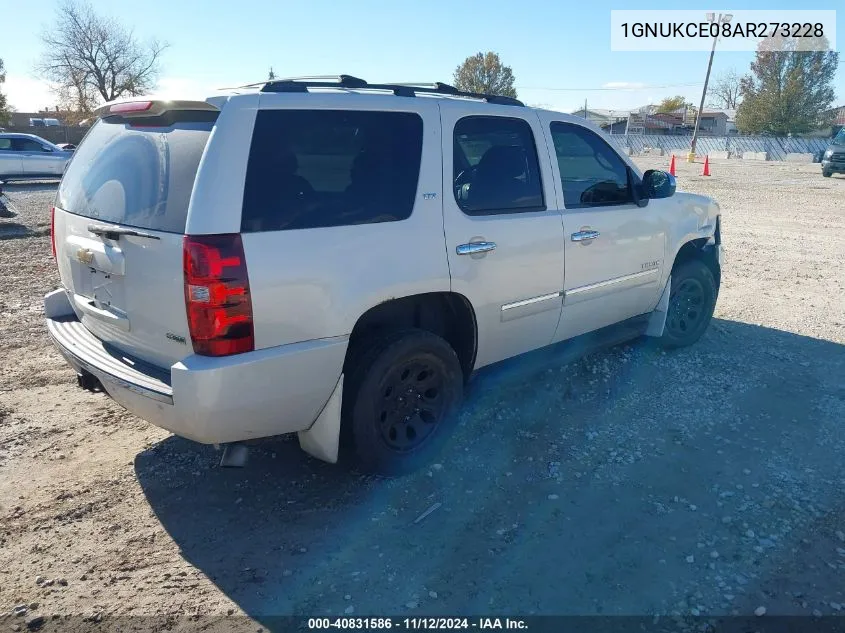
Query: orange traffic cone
[[672, 165], [706, 171]]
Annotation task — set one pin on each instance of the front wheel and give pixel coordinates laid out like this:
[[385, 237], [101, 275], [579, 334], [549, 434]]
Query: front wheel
[[692, 300], [401, 400], [826, 173]]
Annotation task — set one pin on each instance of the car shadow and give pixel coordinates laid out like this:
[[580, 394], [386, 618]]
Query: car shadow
[[15, 231], [536, 514], [30, 186]]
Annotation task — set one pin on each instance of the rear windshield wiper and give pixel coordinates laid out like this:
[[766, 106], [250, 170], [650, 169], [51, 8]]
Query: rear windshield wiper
[[114, 232]]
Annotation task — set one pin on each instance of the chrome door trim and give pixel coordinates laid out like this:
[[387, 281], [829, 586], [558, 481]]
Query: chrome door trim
[[610, 282], [532, 300]]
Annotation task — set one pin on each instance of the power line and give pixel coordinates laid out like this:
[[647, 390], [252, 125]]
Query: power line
[[616, 89]]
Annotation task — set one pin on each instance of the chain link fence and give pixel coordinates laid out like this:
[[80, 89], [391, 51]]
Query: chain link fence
[[777, 147]]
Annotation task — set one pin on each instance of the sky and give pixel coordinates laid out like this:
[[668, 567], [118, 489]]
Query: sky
[[559, 50]]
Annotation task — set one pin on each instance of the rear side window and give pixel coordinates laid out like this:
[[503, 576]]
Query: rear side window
[[140, 176], [321, 168]]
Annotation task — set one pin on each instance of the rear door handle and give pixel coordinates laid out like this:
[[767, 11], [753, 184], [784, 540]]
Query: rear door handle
[[475, 247], [582, 236]]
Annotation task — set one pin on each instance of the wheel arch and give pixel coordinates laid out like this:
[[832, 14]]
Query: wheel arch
[[449, 315], [703, 249]]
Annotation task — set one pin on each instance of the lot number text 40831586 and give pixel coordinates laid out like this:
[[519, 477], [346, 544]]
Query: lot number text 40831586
[[414, 624]]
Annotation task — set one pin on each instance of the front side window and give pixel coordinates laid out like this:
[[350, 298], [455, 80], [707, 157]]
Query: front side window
[[26, 145], [592, 174], [322, 168], [495, 166]]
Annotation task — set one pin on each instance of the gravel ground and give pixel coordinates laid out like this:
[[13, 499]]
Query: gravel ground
[[707, 481]]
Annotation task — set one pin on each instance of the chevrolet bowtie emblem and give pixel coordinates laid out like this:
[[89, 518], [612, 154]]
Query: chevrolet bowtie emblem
[[85, 256]]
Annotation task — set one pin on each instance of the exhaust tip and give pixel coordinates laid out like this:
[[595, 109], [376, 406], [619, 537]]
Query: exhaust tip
[[235, 455], [89, 382]]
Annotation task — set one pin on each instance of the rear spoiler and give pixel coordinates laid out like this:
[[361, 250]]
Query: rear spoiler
[[150, 107]]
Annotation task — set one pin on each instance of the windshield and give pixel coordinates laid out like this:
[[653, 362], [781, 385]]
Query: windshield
[[839, 139], [137, 176]]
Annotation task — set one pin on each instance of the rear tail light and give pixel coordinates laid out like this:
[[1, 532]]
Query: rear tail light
[[217, 295], [53, 230]]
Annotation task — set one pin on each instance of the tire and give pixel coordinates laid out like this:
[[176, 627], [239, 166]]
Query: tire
[[826, 173], [692, 300], [400, 401]]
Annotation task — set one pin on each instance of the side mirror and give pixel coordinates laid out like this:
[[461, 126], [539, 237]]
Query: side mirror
[[658, 184]]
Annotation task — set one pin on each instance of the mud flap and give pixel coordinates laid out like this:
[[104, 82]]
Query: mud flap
[[323, 438], [657, 320]]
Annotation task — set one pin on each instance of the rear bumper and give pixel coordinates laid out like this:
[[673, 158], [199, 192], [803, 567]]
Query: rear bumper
[[209, 400]]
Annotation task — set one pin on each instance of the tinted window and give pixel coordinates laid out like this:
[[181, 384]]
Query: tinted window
[[591, 173], [26, 145], [5, 143], [320, 168], [138, 176], [495, 166]]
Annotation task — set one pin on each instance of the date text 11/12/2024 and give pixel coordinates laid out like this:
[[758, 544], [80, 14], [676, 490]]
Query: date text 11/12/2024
[[413, 624]]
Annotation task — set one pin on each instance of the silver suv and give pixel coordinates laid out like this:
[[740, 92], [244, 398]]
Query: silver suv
[[336, 258]]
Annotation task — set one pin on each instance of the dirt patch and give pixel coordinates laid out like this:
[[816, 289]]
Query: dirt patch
[[706, 481]]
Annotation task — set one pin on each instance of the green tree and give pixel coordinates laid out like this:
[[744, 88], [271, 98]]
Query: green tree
[[673, 104], [485, 73], [5, 110], [789, 89]]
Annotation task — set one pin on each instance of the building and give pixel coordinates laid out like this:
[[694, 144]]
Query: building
[[714, 123], [21, 119], [603, 117]]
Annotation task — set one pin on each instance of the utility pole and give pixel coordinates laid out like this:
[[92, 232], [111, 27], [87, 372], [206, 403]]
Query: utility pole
[[722, 19]]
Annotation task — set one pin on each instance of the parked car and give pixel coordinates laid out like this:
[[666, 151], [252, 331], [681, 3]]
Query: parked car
[[833, 160], [42, 122], [66, 146], [338, 258], [30, 157]]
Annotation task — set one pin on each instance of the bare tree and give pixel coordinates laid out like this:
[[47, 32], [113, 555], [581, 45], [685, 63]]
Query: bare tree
[[725, 91], [91, 58]]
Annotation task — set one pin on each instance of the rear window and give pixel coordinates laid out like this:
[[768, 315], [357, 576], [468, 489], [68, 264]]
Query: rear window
[[321, 168], [136, 175]]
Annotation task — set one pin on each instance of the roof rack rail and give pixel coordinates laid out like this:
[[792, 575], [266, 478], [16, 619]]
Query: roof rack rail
[[302, 84]]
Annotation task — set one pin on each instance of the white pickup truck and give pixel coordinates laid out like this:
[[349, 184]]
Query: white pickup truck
[[336, 258]]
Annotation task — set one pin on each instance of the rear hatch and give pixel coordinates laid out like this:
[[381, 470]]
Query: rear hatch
[[118, 225]]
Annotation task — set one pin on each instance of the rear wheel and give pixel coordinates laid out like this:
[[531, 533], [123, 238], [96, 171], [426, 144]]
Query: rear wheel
[[400, 401], [692, 300]]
